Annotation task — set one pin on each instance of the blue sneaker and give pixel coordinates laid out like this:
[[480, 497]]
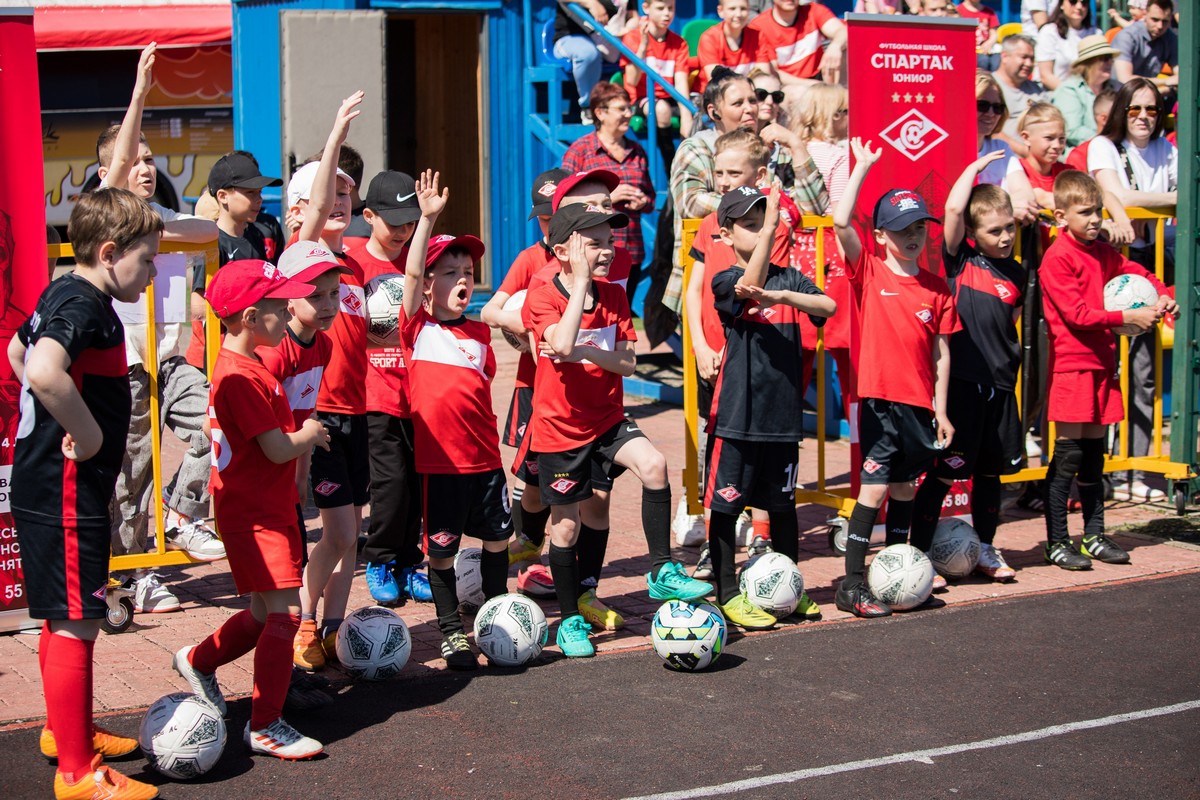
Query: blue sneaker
[[382, 583], [573, 638], [673, 583], [414, 584]]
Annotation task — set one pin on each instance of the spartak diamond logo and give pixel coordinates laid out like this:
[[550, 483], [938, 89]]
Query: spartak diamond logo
[[443, 538], [729, 494], [562, 485], [913, 134], [871, 466], [326, 488], [925, 315], [955, 462]]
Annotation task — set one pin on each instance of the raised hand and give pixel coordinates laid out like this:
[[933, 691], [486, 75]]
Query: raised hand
[[145, 69], [432, 203], [863, 154], [581, 272], [346, 113]]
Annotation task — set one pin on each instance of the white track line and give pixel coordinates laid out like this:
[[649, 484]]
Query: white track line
[[922, 756]]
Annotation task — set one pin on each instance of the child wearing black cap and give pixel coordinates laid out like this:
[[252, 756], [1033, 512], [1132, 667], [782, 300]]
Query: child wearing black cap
[[907, 317], [754, 427]]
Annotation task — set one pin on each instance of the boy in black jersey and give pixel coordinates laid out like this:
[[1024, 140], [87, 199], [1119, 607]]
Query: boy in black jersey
[[755, 420], [981, 402], [75, 408]]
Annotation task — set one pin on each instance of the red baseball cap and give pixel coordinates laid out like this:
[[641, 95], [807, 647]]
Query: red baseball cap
[[240, 284], [609, 179], [438, 245]]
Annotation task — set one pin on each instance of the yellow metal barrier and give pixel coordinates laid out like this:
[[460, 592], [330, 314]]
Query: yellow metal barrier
[[161, 556]]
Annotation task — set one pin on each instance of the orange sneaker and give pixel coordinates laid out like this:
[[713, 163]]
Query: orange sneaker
[[329, 646], [307, 653], [101, 781], [104, 742]]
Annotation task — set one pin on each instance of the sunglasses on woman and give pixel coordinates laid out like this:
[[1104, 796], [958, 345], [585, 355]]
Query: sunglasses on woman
[[1133, 111], [763, 94], [983, 106]]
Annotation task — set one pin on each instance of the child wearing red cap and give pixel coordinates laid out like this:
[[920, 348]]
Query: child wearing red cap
[[255, 446]]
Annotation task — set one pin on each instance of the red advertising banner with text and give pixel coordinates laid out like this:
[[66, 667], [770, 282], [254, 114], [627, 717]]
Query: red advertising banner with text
[[912, 94], [23, 265]]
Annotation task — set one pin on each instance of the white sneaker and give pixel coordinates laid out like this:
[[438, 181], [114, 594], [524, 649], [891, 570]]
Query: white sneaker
[[688, 528], [151, 597], [197, 539], [281, 740], [992, 564], [202, 684], [1032, 448]]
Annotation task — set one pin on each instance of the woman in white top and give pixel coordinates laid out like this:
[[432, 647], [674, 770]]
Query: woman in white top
[[1058, 41], [991, 114]]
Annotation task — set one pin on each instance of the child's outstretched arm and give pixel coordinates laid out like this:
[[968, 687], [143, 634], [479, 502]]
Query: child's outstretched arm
[[955, 226], [125, 148], [324, 188], [432, 203], [760, 260], [843, 214]]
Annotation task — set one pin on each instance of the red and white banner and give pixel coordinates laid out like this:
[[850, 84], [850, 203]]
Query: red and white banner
[[23, 266]]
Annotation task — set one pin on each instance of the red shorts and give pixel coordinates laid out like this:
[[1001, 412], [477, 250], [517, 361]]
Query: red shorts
[[263, 559], [1089, 396]]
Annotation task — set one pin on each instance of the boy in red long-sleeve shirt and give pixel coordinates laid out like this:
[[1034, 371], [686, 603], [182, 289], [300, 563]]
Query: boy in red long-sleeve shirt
[[1084, 394]]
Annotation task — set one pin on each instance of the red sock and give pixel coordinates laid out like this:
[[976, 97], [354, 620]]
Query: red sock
[[67, 686], [762, 527], [43, 648], [272, 669], [229, 642]]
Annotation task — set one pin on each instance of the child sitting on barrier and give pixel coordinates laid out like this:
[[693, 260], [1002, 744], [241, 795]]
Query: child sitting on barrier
[[667, 53]]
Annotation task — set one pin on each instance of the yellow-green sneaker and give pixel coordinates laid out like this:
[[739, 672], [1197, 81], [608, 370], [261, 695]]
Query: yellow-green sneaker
[[598, 614], [807, 610], [521, 550], [742, 613]]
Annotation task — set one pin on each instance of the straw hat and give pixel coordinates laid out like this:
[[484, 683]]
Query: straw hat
[[1093, 46]]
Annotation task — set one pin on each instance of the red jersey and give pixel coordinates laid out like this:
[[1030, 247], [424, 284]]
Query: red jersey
[[1044, 182], [714, 49], [1073, 275], [901, 315], [797, 48], [1077, 158], [668, 57], [343, 388], [299, 367], [248, 488], [387, 378], [985, 20], [450, 371], [573, 403], [529, 262]]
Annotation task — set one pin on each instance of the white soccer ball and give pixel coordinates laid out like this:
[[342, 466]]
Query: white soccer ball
[[468, 576], [689, 637], [773, 583], [515, 303], [955, 548], [1126, 292], [901, 576], [373, 643], [182, 735], [385, 297], [511, 630]]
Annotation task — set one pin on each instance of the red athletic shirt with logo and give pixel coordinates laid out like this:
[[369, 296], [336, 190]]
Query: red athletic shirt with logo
[[573, 403], [985, 20], [344, 386], [901, 315], [666, 58], [529, 262], [450, 371], [299, 367], [387, 377], [714, 49], [248, 488], [797, 48]]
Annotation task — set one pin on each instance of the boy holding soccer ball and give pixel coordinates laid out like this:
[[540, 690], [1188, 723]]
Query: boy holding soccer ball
[[1084, 395]]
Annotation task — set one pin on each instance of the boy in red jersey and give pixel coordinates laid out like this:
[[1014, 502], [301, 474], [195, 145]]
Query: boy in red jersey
[[67, 456], [585, 336], [451, 366], [904, 367], [731, 43], [666, 53], [255, 447], [805, 42], [1084, 395]]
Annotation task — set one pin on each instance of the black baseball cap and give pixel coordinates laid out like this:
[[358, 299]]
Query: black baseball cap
[[579, 217], [900, 208], [544, 186], [237, 171], [736, 203], [393, 196]]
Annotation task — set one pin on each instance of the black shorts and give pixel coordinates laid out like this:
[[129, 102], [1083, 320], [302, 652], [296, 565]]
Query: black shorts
[[465, 505], [759, 474], [988, 439], [341, 475], [573, 475], [519, 412], [897, 441], [66, 569]]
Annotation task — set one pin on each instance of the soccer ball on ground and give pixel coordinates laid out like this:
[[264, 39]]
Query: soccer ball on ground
[[955, 548], [688, 637], [385, 297], [511, 630], [182, 735], [901, 576], [373, 643], [468, 576], [515, 303], [773, 583], [1126, 292]]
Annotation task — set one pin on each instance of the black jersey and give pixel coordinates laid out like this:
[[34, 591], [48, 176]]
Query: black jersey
[[253, 243], [986, 293], [760, 387], [48, 488]]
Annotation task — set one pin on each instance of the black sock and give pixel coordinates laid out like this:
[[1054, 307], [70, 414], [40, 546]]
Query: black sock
[[444, 587], [785, 533], [1062, 470], [722, 533], [493, 568], [985, 506], [927, 509], [591, 547], [514, 510], [858, 542], [533, 524], [656, 524], [1091, 486], [564, 567], [898, 520]]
